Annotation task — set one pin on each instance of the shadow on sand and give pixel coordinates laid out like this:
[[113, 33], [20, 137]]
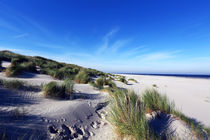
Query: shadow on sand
[[27, 75], [161, 123], [24, 128], [14, 98]]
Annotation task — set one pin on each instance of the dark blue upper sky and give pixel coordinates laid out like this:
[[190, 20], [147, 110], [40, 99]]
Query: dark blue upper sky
[[111, 35]]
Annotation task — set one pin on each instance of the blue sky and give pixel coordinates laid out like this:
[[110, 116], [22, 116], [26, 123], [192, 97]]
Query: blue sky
[[164, 36]]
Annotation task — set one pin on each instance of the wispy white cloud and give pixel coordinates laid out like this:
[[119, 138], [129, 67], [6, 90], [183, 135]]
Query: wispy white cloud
[[157, 56], [117, 45], [20, 35], [106, 40], [136, 51], [110, 33]]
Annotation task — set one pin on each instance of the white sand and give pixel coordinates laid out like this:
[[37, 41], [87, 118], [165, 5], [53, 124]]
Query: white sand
[[191, 95]]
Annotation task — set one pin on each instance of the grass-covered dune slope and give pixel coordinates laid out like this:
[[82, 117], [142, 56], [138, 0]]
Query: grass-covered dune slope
[[58, 70]]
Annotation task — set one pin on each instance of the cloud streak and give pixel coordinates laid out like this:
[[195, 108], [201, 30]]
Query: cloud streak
[[20, 35], [106, 40]]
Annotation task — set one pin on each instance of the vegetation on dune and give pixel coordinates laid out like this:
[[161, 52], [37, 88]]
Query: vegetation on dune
[[56, 90], [16, 69], [82, 77], [69, 86], [153, 101], [13, 71], [131, 79], [56, 69], [123, 80], [154, 85], [102, 81], [28, 66], [18, 60], [127, 115]]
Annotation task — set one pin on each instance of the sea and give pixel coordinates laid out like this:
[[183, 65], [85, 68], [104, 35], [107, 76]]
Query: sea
[[203, 76]]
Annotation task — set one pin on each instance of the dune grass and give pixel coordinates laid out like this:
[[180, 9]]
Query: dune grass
[[153, 101], [28, 66], [69, 86], [13, 71], [131, 79], [56, 90], [128, 114], [82, 77], [101, 82], [17, 68], [123, 80], [128, 117], [154, 85]]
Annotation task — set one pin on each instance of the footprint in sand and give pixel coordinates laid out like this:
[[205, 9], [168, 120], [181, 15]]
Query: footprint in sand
[[98, 124], [52, 129], [95, 124], [66, 132]]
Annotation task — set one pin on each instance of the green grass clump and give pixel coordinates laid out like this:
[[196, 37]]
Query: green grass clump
[[28, 66], [128, 117], [131, 79], [55, 90], [100, 82], [17, 68], [103, 81], [18, 60], [69, 86], [82, 78], [123, 80], [154, 101], [154, 85], [12, 84], [13, 71]]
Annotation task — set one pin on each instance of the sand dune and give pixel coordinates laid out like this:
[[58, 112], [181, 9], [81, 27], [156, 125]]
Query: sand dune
[[59, 119]]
